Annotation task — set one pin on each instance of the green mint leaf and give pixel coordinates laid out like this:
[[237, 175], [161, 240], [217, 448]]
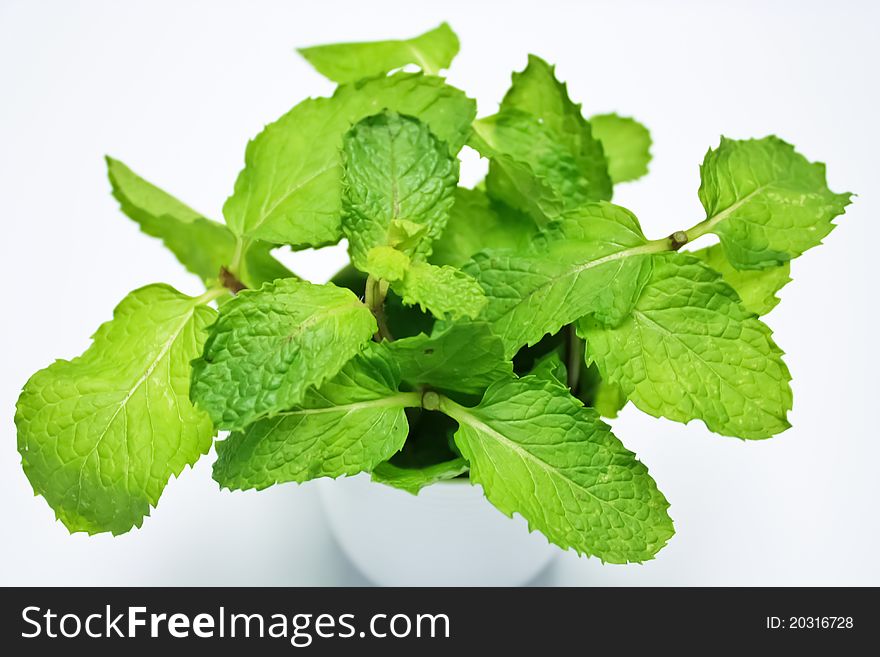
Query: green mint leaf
[[627, 146], [530, 168], [689, 350], [476, 224], [201, 245], [594, 262], [550, 367], [387, 263], [147, 204], [464, 357], [406, 235], [348, 62], [446, 292], [538, 452], [269, 346], [100, 435], [413, 480], [399, 184], [290, 190], [766, 202], [756, 288], [538, 92], [350, 424], [543, 157]]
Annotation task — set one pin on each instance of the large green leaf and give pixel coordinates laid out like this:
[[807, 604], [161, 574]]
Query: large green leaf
[[543, 156], [100, 435], [399, 186], [689, 350], [594, 262], [529, 167], [290, 190], [463, 357], [347, 62], [756, 288], [269, 346], [538, 92], [766, 202], [538, 452], [353, 422], [627, 145], [201, 245], [476, 224]]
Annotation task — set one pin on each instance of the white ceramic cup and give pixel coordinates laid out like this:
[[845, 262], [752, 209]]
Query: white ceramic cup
[[448, 535]]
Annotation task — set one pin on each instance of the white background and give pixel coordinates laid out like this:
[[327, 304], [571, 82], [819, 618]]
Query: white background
[[175, 89]]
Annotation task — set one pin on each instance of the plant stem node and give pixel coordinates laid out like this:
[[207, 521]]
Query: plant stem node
[[431, 401], [678, 239]]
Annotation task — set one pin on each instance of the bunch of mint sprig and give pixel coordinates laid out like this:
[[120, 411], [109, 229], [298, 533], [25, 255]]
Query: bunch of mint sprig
[[477, 333]]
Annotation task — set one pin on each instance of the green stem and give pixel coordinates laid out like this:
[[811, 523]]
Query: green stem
[[375, 293], [211, 294], [236, 272], [708, 224], [456, 411], [241, 246], [681, 237]]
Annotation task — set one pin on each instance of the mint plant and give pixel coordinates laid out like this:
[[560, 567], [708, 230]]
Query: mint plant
[[477, 333]]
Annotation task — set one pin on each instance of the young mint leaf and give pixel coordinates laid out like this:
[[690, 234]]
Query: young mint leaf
[[477, 224], [395, 171], [689, 350], [269, 346], [766, 202], [627, 146], [464, 357], [550, 367], [347, 62], [353, 422], [387, 263], [443, 291], [594, 262], [100, 435], [756, 288], [413, 480], [538, 452], [201, 245], [530, 168], [543, 157], [290, 190], [538, 92]]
